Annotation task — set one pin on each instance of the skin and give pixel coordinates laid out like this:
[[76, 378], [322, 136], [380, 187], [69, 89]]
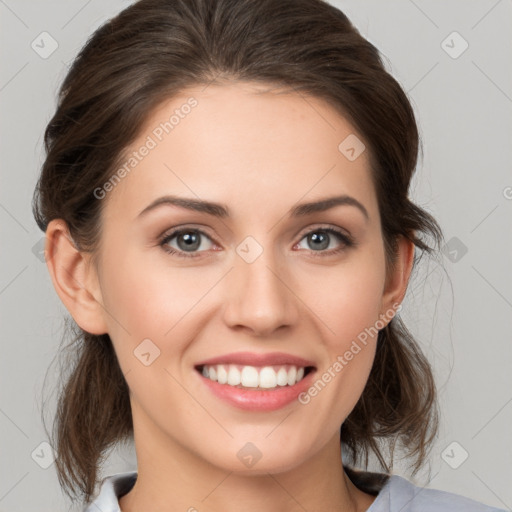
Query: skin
[[260, 154]]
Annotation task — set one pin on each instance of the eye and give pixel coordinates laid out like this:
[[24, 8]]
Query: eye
[[321, 238], [188, 240]]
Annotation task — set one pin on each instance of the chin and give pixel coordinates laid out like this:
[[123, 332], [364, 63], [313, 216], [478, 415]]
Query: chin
[[253, 461]]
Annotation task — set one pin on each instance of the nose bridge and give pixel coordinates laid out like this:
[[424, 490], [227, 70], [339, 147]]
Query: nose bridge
[[258, 297]]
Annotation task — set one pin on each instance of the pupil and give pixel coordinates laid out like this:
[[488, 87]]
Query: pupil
[[320, 238], [191, 240]]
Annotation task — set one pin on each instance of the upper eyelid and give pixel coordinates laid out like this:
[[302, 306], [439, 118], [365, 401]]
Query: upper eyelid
[[171, 233]]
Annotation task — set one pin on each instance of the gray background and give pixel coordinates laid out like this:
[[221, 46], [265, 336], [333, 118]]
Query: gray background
[[460, 310]]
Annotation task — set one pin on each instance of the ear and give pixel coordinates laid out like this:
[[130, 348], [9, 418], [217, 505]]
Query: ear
[[74, 278], [396, 283]]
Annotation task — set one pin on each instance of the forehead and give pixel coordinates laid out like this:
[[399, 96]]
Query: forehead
[[244, 145]]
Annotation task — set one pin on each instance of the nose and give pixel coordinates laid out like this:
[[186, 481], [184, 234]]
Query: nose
[[259, 296]]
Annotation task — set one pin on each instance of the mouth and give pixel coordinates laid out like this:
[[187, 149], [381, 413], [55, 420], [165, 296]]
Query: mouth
[[256, 382], [255, 377]]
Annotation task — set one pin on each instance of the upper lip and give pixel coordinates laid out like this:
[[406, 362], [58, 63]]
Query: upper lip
[[258, 359]]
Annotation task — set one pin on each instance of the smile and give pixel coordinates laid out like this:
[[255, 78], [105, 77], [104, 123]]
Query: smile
[[266, 377], [255, 381]]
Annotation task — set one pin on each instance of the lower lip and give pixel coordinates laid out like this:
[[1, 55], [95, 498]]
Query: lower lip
[[256, 399]]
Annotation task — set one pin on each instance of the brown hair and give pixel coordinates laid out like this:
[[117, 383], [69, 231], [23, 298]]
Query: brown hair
[[146, 54]]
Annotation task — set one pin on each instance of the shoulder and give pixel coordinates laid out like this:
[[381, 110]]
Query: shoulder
[[394, 493], [111, 489], [400, 494]]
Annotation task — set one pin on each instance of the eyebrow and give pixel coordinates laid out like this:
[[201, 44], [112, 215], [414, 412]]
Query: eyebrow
[[222, 211]]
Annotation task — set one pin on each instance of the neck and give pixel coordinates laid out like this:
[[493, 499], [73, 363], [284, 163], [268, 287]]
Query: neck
[[183, 481]]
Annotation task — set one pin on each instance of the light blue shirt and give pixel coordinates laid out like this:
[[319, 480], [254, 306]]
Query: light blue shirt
[[396, 495]]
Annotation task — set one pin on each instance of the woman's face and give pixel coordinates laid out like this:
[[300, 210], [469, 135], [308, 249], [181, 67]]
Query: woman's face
[[258, 281]]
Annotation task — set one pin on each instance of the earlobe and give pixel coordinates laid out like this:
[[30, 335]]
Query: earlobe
[[74, 279], [396, 283]]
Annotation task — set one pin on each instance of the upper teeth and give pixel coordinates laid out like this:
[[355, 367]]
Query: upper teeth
[[253, 376]]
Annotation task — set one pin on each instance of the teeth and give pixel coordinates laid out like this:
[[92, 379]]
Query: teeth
[[249, 377], [233, 375], [222, 374], [267, 377], [292, 374], [282, 377]]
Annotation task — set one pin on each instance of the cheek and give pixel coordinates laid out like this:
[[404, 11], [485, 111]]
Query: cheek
[[348, 310], [148, 308], [348, 300], [149, 299]]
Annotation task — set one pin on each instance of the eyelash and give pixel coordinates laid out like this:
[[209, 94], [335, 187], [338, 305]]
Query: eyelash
[[347, 242]]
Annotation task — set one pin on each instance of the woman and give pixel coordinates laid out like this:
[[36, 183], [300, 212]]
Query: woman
[[225, 201]]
